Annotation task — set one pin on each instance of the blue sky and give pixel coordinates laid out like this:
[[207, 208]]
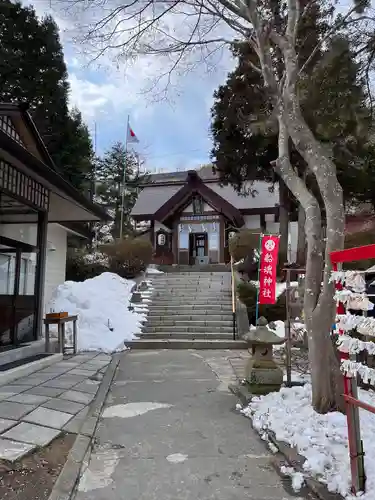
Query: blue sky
[[173, 132]]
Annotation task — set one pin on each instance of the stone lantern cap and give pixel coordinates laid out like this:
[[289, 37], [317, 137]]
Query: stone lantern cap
[[262, 334]]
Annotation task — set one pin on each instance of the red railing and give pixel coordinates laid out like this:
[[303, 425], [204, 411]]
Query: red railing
[[356, 453]]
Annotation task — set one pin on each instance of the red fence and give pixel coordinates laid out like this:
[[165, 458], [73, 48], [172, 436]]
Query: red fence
[[356, 452]]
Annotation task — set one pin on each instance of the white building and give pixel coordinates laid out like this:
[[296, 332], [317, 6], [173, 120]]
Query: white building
[[37, 208]]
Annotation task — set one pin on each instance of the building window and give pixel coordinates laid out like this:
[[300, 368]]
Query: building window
[[17, 183], [6, 125], [197, 205]]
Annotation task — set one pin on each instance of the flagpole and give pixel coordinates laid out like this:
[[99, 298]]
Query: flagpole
[[124, 180]]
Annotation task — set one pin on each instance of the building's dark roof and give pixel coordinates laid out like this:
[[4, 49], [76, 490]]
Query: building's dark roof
[[195, 185], [154, 195], [205, 173], [22, 108], [46, 168]]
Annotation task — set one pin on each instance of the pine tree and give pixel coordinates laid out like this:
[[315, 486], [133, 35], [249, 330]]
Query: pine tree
[[77, 155], [334, 106], [33, 70], [109, 184]]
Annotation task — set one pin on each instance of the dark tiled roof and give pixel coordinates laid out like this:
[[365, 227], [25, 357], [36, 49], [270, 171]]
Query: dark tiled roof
[[205, 173]]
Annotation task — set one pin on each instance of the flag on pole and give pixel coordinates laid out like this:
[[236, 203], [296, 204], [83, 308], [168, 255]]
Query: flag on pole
[[131, 137]]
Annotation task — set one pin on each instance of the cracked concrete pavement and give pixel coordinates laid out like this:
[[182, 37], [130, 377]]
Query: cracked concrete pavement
[[169, 430]]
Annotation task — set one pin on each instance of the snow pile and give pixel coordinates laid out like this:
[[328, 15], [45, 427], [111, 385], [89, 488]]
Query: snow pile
[[102, 306], [153, 270], [322, 439]]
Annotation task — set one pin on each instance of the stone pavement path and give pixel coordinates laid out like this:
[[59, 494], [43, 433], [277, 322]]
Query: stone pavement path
[[169, 431], [34, 410]]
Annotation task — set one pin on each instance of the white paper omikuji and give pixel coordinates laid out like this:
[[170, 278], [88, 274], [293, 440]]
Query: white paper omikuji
[[354, 300], [351, 279], [352, 345], [353, 368], [348, 322]]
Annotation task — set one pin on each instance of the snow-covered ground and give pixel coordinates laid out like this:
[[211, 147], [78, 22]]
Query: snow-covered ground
[[322, 439], [152, 269], [102, 306]]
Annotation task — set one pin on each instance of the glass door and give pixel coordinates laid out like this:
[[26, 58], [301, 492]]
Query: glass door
[[17, 292], [8, 257]]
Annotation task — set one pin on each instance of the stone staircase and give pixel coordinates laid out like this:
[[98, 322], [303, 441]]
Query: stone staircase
[[189, 310]]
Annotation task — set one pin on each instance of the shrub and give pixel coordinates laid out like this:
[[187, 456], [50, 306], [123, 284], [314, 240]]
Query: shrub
[[247, 293], [130, 257], [244, 243], [81, 266]]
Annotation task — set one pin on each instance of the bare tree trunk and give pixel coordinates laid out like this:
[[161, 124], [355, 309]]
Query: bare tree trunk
[[284, 222], [301, 239], [325, 372]]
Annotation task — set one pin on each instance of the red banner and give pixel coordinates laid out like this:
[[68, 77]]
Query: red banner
[[267, 271]]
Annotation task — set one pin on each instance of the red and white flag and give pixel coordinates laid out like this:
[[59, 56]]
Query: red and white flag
[[267, 271], [131, 137]]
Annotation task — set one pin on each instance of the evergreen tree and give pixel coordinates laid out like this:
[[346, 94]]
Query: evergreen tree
[[77, 155], [109, 186], [334, 106], [32, 69]]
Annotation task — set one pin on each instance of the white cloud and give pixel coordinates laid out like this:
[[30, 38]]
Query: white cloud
[[108, 89]]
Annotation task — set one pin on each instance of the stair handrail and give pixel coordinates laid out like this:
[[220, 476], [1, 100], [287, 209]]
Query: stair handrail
[[234, 299]]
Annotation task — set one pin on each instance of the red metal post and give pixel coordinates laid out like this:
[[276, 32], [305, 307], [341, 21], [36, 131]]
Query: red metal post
[[361, 404], [352, 416]]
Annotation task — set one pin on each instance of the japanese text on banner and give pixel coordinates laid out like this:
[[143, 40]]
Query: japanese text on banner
[[267, 271]]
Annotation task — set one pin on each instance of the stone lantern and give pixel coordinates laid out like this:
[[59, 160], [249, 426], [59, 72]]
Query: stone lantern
[[262, 374]]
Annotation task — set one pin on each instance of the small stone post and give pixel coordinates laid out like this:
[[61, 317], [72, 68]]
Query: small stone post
[[262, 374]]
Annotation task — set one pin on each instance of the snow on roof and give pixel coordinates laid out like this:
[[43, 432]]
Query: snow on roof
[[151, 198]]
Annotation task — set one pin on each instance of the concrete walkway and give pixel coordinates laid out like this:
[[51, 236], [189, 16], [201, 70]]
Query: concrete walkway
[[35, 409], [169, 431]]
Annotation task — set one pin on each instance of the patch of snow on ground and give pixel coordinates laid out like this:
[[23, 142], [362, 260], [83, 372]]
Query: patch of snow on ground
[[101, 303], [297, 477], [322, 439], [153, 270]]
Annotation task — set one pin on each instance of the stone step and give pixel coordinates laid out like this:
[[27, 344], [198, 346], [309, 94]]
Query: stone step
[[191, 277], [207, 268], [186, 335], [197, 289], [162, 309], [186, 344], [172, 329], [191, 286], [152, 317], [190, 306], [193, 299], [190, 273], [168, 322], [194, 296]]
